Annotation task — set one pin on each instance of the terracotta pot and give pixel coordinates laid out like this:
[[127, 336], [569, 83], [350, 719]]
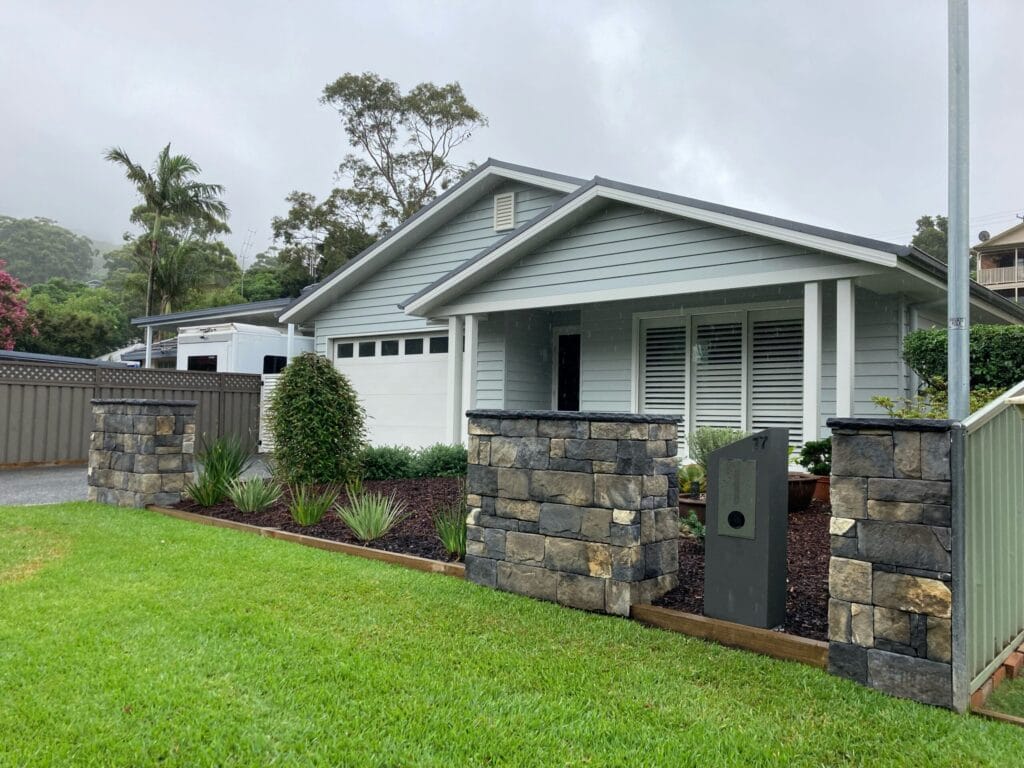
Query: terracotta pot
[[822, 489], [801, 490], [689, 504]]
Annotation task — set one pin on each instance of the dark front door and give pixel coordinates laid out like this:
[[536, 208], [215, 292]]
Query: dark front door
[[568, 372]]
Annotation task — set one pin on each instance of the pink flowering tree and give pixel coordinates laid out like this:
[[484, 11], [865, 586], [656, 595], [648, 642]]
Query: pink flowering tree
[[14, 318]]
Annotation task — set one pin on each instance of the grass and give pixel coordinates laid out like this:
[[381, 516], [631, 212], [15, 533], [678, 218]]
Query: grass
[[136, 639], [1008, 698]]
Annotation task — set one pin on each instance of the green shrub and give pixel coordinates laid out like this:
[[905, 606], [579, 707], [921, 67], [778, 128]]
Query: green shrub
[[317, 422], [309, 505], [450, 525], [691, 479], [253, 495], [997, 355], [440, 460], [696, 528], [816, 456], [933, 402], [221, 462], [705, 440], [371, 515], [387, 462]]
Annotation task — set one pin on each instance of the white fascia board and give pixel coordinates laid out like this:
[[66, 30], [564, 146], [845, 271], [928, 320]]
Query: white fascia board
[[401, 235], [681, 288], [974, 300], [422, 305], [814, 242], [783, 234]]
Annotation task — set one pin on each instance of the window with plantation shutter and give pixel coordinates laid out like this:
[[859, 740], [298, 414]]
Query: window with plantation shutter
[[776, 383], [663, 371], [718, 375]]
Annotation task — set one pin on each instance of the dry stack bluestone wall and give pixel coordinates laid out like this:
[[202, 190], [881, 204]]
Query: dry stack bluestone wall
[[577, 508], [891, 573], [141, 451]]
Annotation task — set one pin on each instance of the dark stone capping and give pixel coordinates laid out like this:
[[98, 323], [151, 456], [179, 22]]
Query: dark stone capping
[[905, 425], [625, 418], [138, 401]]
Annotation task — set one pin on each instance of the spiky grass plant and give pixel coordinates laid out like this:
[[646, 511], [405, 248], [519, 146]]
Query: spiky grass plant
[[309, 505], [450, 525], [370, 515], [221, 462], [253, 495]]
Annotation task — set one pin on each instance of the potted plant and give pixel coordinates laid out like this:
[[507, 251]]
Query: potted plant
[[816, 458]]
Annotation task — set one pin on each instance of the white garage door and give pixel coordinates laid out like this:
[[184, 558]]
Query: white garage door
[[401, 383]]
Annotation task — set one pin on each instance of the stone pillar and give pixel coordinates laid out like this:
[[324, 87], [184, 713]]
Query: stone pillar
[[141, 451], [891, 573], [578, 508]]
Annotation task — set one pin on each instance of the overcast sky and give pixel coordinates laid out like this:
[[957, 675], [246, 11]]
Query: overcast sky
[[828, 112]]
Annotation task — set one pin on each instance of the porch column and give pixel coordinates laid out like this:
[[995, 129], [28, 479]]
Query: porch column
[[845, 346], [453, 410], [149, 347], [289, 349], [469, 361], [812, 361]]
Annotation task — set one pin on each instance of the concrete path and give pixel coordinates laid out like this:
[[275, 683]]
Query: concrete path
[[57, 485]]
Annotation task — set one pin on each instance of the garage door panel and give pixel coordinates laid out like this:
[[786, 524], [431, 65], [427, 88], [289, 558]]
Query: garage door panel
[[404, 396]]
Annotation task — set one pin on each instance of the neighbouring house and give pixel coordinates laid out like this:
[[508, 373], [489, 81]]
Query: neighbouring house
[[524, 289], [1000, 262]]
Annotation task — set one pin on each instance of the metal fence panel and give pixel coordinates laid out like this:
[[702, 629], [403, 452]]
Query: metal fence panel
[[45, 415], [994, 534]]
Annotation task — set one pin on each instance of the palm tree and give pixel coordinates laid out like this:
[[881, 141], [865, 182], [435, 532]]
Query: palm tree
[[170, 190]]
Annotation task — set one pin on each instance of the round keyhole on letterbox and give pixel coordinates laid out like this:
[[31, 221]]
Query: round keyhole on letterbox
[[736, 519]]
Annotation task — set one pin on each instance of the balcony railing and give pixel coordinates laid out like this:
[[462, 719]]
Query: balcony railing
[[1001, 275]]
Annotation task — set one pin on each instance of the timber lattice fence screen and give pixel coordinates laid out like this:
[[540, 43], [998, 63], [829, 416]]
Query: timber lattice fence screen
[[45, 415]]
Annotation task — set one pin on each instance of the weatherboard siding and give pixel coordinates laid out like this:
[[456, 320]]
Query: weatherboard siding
[[624, 246], [490, 367], [372, 306]]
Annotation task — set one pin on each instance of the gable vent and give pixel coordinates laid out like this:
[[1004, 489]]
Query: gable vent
[[504, 211]]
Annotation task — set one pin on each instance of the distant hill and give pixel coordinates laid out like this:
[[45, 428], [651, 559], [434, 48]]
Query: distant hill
[[38, 248]]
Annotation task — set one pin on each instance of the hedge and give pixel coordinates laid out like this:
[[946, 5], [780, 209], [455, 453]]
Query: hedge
[[997, 355]]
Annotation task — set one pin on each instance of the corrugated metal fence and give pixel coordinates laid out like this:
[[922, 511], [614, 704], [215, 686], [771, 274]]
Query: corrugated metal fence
[[994, 533], [45, 415]]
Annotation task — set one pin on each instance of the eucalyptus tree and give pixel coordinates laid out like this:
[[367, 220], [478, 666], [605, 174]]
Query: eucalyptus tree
[[171, 190]]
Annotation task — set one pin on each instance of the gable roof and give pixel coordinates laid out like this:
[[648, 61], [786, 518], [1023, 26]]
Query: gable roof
[[1012, 236], [442, 209], [599, 191]]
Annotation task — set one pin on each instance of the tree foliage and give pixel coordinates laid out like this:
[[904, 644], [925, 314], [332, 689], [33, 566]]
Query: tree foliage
[[73, 319], [931, 236], [315, 238], [403, 141], [996, 355], [14, 319], [317, 423], [37, 249], [170, 191]]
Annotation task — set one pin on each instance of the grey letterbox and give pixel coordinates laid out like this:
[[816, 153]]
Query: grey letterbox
[[745, 542]]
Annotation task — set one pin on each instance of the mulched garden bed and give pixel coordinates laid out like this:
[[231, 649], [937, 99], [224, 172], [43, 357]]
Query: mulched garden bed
[[808, 550], [413, 536]]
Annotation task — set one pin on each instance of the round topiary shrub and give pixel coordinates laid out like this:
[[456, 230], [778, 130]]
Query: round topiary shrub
[[317, 422]]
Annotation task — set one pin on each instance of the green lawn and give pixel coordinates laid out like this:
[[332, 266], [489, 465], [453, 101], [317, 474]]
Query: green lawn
[[1008, 698], [127, 638]]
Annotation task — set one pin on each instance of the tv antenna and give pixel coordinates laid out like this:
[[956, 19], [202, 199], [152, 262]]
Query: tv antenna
[[242, 254]]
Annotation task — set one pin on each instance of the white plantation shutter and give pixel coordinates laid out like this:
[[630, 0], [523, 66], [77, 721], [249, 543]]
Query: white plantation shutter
[[718, 372], [776, 384], [663, 371]]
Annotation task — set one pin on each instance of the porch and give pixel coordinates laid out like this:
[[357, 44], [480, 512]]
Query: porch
[[790, 356]]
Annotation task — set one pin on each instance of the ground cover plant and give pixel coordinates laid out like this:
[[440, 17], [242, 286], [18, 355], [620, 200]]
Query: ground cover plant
[[309, 505], [253, 495], [370, 515], [146, 640]]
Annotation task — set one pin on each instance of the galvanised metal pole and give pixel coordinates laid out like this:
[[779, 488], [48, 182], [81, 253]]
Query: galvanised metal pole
[[958, 310]]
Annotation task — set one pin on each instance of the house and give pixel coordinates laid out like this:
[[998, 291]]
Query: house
[[523, 289], [1000, 262]]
